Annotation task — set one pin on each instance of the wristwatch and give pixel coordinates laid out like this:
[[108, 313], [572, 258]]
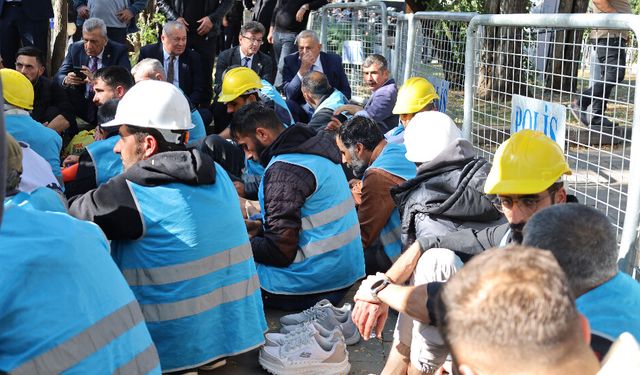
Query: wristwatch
[[378, 285]]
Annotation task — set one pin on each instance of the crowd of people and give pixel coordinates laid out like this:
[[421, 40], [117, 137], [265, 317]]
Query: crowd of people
[[205, 197]]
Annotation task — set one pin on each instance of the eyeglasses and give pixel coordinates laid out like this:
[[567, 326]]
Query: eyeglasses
[[527, 203], [253, 40]]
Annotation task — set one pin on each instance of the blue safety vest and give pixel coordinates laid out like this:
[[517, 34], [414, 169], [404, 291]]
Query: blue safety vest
[[335, 100], [193, 273], [270, 92], [197, 132], [106, 163], [46, 142], [393, 161], [395, 135], [42, 199], [65, 305], [330, 255]]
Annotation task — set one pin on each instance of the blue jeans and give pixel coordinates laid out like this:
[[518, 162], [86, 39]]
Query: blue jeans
[[283, 45]]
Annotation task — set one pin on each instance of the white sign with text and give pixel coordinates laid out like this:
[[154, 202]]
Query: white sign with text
[[535, 114], [442, 88]]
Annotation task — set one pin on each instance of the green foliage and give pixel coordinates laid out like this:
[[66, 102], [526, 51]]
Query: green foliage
[[149, 27], [451, 6]]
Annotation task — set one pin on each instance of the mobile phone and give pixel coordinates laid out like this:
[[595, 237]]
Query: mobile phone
[[343, 116], [77, 70]]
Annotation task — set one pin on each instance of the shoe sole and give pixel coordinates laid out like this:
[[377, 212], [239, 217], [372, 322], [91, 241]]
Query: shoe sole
[[341, 368]]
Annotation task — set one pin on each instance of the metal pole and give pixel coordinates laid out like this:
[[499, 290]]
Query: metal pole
[[469, 81], [411, 38]]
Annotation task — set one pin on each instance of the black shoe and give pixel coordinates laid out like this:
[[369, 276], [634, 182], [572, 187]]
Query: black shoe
[[602, 122], [578, 113]]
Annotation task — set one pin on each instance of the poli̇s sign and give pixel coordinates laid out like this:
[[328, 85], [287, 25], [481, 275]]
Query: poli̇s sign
[[534, 114], [442, 88]]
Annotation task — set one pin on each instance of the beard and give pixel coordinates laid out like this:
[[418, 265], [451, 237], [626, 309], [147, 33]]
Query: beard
[[516, 232], [358, 166]]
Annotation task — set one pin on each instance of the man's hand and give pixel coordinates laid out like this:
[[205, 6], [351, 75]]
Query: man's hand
[[125, 15], [351, 108], [72, 80], [205, 26], [301, 12], [70, 160], [58, 123], [99, 134], [83, 12], [270, 35], [254, 227], [184, 22], [225, 21], [368, 316], [306, 62], [364, 292], [333, 125]]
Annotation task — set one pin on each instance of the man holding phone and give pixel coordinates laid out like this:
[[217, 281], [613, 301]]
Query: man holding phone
[[93, 52]]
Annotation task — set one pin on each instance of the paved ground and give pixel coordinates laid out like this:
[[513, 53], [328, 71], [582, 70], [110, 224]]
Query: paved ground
[[365, 357]]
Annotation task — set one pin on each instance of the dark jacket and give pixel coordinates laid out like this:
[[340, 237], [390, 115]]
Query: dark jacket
[[112, 205], [446, 195], [380, 105], [331, 66], [214, 9], [34, 10], [284, 14], [286, 188], [190, 71], [260, 63], [51, 100]]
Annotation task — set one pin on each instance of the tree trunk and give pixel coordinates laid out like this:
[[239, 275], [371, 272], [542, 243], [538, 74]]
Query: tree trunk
[[58, 35], [564, 58], [501, 64]]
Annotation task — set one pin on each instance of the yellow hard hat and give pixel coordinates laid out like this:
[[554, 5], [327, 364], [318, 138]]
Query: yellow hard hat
[[527, 163], [238, 81], [17, 89], [414, 95]]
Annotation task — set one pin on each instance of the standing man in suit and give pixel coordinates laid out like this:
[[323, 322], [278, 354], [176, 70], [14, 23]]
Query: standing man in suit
[[262, 12], [203, 19], [183, 66], [23, 23], [93, 52], [309, 57]]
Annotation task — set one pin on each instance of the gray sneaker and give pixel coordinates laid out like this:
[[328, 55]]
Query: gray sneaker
[[313, 327], [328, 316]]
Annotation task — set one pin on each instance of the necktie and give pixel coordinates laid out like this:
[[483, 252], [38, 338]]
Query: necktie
[[245, 61], [93, 66], [170, 73]]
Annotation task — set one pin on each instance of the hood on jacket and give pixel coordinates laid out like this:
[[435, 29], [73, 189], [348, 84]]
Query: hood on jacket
[[190, 167], [300, 139], [450, 186]]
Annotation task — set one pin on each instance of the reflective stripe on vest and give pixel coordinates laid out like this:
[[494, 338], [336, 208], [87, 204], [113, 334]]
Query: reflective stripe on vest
[[87, 342], [393, 161], [107, 163], [329, 240], [143, 363], [335, 100]]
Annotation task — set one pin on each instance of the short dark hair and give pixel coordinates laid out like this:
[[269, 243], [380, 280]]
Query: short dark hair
[[115, 76], [376, 59], [581, 238], [362, 130], [510, 303], [107, 111], [163, 145], [33, 52], [252, 27], [316, 84], [251, 116]]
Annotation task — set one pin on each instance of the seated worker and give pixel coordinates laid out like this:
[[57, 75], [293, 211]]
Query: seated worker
[[383, 94], [195, 278], [323, 98], [240, 86], [17, 91], [526, 178], [310, 58], [152, 69], [111, 82], [584, 242], [416, 95], [51, 105], [65, 306], [381, 166], [511, 311], [307, 247]]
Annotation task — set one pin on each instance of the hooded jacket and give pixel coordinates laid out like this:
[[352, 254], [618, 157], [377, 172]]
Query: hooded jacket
[[286, 188], [446, 194], [112, 206]]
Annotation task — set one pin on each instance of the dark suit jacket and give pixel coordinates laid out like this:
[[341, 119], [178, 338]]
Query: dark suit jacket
[[190, 74], [214, 9], [332, 67], [261, 64], [262, 12], [114, 54], [35, 9]]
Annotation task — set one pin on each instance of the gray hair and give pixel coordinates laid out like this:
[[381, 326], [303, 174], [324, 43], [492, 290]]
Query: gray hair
[[252, 27], [581, 238], [95, 23], [149, 66], [316, 84], [171, 26], [304, 34], [376, 59]]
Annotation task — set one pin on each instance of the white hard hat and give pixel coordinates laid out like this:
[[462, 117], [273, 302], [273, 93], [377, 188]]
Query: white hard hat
[[428, 134], [153, 104]]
